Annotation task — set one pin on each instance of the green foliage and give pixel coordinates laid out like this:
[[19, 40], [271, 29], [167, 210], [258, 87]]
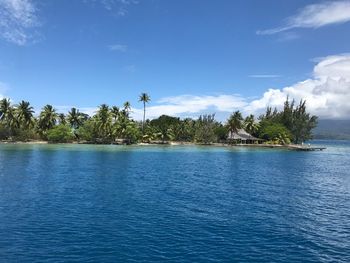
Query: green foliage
[[24, 115], [250, 125], [295, 119], [103, 124], [62, 119], [188, 129], [24, 135], [221, 132], [126, 129], [109, 124], [5, 106], [234, 122], [144, 98], [132, 132], [275, 132], [60, 134], [164, 127], [8, 115], [303, 123], [205, 126], [47, 119], [150, 132], [87, 131], [4, 132], [115, 112], [76, 118], [126, 109]]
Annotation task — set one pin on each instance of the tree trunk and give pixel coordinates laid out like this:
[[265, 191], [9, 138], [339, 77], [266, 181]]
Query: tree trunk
[[144, 116]]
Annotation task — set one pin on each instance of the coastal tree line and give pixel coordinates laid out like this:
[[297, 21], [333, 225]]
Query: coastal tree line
[[111, 124]]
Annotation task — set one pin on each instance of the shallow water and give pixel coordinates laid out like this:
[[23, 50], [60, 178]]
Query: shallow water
[[174, 203]]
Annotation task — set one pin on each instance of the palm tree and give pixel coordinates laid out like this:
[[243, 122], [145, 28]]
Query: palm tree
[[7, 115], [234, 122], [75, 118], [127, 108], [145, 98], [115, 112], [121, 127], [250, 125], [24, 114], [62, 118], [5, 104], [104, 121], [6, 111], [47, 118]]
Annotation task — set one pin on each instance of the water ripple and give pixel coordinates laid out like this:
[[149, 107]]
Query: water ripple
[[89, 203]]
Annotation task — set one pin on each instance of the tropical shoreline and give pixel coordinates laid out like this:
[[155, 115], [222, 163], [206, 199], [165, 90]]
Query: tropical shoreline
[[297, 147], [114, 125]]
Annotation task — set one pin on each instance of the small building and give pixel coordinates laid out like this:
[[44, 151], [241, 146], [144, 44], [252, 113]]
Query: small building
[[241, 136]]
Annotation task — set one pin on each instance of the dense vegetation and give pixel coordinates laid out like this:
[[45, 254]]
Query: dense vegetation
[[114, 124], [293, 123]]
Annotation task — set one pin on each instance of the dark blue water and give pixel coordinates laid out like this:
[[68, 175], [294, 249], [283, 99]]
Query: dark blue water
[[176, 204]]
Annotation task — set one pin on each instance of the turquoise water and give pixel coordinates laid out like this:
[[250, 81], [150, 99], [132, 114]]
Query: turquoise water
[[176, 204]]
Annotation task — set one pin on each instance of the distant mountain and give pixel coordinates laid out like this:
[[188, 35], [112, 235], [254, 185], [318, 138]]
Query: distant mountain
[[332, 129]]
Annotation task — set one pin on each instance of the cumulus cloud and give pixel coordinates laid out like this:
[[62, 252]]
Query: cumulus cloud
[[18, 20], [327, 93], [66, 108], [315, 16], [189, 105]]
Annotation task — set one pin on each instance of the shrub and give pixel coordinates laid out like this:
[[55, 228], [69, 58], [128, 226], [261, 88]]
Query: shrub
[[275, 132], [24, 135], [60, 133], [86, 132], [4, 132]]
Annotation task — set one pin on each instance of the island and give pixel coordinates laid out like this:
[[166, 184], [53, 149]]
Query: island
[[289, 127]]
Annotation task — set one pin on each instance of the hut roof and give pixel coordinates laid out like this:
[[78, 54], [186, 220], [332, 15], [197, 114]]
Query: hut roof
[[241, 134]]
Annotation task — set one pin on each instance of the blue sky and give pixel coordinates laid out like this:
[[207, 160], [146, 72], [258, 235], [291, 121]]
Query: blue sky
[[191, 56]]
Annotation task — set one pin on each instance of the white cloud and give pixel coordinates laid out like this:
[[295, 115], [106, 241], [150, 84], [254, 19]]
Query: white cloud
[[87, 110], [327, 93], [119, 7], [264, 76], [189, 105], [315, 16], [288, 36], [118, 47], [18, 20]]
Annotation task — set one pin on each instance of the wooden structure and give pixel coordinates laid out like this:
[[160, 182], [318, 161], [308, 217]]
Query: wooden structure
[[306, 148], [241, 136]]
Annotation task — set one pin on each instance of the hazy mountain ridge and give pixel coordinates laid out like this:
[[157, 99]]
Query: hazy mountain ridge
[[332, 129]]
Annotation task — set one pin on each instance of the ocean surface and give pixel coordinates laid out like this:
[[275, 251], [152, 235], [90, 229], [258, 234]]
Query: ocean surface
[[86, 203]]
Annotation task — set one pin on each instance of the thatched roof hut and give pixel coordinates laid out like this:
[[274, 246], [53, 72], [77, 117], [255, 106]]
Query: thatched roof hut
[[242, 136]]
